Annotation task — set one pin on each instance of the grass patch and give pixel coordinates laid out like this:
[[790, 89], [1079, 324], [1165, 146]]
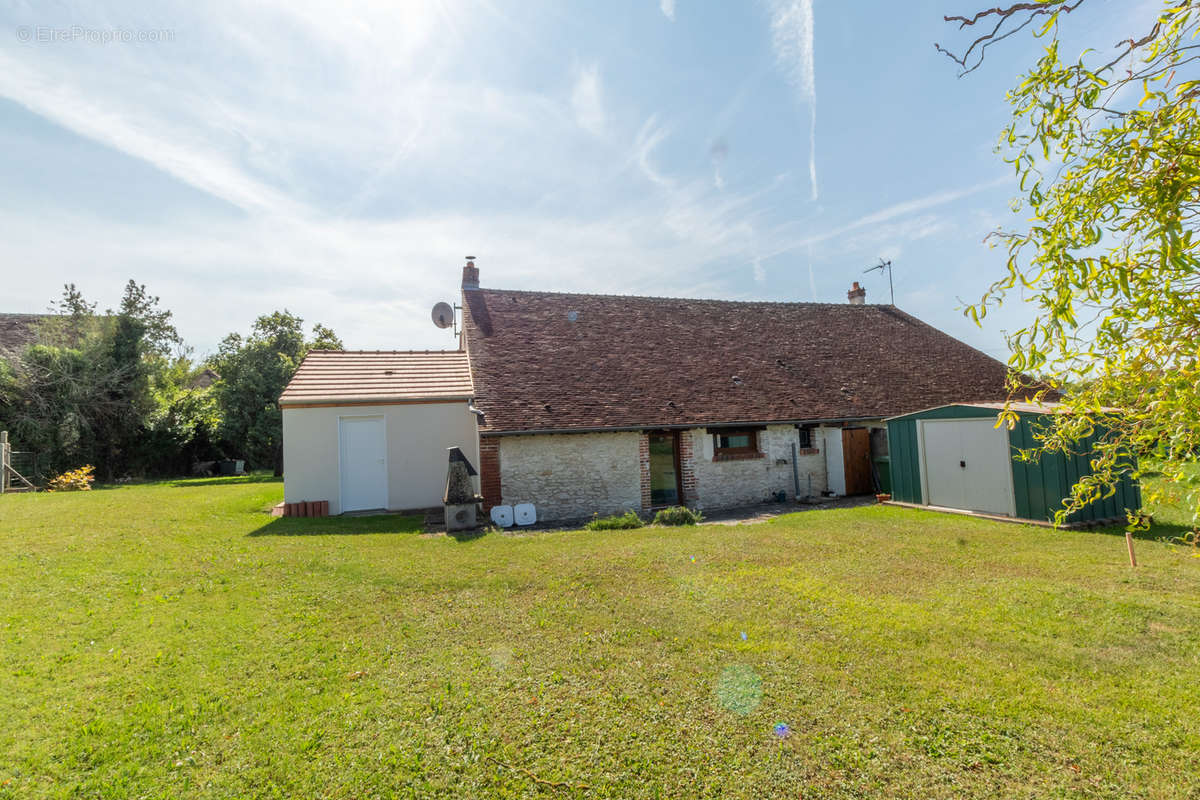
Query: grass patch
[[161, 641]]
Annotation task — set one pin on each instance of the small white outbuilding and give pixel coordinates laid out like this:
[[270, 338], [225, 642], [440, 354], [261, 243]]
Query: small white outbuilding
[[369, 430]]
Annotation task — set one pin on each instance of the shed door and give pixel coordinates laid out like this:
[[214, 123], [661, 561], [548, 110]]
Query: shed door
[[967, 465], [363, 463]]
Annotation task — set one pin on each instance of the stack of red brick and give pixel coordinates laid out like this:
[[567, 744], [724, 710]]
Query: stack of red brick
[[307, 508]]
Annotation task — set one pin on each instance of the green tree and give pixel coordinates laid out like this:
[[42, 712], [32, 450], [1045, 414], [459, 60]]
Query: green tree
[[254, 371], [1107, 151], [89, 389]]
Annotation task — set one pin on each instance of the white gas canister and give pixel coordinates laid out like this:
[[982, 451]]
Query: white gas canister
[[524, 513], [502, 516]]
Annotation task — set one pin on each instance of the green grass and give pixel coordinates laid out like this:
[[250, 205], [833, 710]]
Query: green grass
[[169, 640]]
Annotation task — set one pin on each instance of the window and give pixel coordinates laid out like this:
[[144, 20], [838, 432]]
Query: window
[[879, 442], [741, 443], [805, 438]]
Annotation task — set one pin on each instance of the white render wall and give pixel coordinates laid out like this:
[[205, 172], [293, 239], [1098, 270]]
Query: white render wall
[[417, 433], [726, 484], [572, 475]]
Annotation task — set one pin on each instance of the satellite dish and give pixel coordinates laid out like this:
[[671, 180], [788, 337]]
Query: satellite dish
[[443, 315]]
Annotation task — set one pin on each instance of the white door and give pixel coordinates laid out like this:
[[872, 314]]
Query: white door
[[967, 465], [363, 464]]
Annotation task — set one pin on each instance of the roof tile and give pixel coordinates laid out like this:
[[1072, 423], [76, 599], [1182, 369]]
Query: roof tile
[[344, 376], [546, 361]]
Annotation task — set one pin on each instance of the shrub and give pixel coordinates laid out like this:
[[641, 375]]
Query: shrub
[[615, 522], [677, 515], [75, 480]]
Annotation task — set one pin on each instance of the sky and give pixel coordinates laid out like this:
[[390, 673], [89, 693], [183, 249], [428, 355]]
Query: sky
[[340, 159]]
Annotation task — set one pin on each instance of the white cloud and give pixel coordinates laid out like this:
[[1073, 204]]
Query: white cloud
[[587, 100], [792, 36], [668, 9]]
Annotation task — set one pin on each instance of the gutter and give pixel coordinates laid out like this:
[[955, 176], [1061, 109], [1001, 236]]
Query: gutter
[[684, 426]]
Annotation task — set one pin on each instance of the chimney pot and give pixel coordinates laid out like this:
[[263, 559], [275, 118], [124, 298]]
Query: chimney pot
[[857, 295], [470, 274]]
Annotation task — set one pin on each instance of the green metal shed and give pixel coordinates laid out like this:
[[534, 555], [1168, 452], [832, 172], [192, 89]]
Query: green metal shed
[[954, 457]]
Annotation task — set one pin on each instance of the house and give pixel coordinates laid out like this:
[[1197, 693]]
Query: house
[[204, 379], [369, 430], [954, 457], [585, 404]]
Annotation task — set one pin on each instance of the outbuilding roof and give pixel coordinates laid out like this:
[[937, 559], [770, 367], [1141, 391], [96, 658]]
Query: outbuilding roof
[[546, 362], [343, 377]]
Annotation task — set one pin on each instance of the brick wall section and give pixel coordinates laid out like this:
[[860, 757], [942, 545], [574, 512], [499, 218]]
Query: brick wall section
[[644, 468], [745, 481], [572, 476], [489, 471], [687, 468]]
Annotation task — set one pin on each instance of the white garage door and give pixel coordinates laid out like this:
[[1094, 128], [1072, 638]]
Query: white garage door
[[967, 464], [363, 463]]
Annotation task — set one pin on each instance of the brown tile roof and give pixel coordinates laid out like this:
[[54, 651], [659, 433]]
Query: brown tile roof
[[18, 330], [631, 362], [361, 376]]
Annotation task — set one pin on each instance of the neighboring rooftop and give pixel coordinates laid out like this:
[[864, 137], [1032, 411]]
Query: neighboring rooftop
[[545, 361], [17, 331], [364, 376]]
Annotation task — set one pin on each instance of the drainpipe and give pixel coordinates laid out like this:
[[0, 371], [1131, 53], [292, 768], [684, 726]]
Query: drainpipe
[[795, 471]]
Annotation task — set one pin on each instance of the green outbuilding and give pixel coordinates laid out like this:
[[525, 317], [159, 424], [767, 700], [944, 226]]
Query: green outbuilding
[[955, 458]]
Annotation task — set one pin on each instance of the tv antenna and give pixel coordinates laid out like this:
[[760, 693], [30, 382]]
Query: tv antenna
[[881, 266]]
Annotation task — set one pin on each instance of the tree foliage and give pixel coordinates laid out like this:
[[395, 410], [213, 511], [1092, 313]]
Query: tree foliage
[[1107, 151], [254, 371], [119, 389], [83, 391]]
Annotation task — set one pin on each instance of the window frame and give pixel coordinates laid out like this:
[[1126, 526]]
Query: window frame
[[734, 452], [804, 437]]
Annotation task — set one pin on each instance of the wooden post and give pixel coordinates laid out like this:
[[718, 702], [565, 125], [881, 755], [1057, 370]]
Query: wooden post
[[1129, 544], [5, 460]]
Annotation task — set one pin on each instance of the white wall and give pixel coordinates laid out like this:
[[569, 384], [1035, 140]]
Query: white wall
[[418, 435], [727, 484], [835, 463], [572, 476]]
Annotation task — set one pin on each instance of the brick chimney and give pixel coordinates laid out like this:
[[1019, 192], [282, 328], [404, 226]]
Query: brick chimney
[[857, 295], [470, 278]]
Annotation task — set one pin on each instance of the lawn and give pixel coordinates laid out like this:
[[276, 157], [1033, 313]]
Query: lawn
[[171, 640]]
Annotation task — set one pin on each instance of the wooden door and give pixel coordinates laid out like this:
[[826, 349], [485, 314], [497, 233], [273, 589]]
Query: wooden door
[[856, 460]]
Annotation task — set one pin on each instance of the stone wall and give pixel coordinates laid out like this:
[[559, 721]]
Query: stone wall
[[745, 481], [572, 476]]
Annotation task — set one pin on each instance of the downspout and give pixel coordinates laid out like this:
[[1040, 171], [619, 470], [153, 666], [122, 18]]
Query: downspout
[[795, 472]]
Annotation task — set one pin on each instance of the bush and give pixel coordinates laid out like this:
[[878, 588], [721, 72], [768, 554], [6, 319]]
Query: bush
[[677, 515], [75, 480], [615, 522]]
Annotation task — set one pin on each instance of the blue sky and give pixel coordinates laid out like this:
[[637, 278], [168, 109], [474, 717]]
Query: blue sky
[[340, 160]]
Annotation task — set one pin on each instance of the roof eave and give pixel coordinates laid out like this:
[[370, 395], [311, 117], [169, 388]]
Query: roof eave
[[381, 401]]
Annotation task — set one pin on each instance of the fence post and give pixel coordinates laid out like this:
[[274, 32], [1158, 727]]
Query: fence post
[[5, 461]]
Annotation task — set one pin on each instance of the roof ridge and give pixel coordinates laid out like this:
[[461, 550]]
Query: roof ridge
[[687, 299]]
